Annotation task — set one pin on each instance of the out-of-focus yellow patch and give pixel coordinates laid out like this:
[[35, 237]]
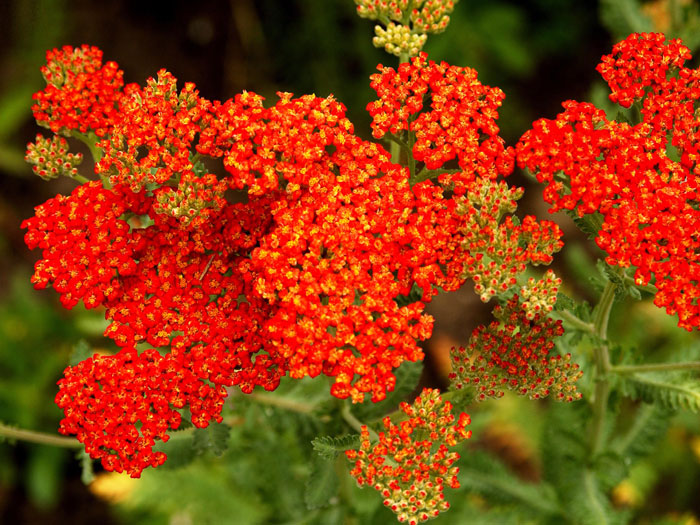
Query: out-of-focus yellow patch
[[113, 487], [695, 446], [625, 494]]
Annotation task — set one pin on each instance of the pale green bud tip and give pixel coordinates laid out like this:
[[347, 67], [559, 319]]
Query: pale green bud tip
[[397, 39]]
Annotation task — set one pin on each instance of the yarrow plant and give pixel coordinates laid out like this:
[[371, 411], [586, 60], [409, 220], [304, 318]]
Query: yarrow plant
[[310, 251]]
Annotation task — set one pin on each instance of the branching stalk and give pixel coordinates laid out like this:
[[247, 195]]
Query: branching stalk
[[656, 367], [602, 368], [355, 423], [576, 321]]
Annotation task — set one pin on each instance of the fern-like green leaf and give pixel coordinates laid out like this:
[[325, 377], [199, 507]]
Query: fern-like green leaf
[[667, 389], [649, 426], [566, 467], [483, 474], [589, 224], [328, 447]]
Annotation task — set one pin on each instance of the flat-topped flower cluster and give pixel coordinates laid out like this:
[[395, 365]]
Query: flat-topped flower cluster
[[309, 252], [641, 178]]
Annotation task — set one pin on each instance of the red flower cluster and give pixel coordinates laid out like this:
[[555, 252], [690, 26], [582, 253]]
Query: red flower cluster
[[120, 405], [513, 351], [81, 94], [461, 121], [643, 178], [315, 273], [85, 245], [411, 462]]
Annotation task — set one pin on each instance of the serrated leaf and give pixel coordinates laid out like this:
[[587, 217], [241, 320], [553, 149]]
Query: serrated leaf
[[610, 469], [214, 438], [322, 484], [328, 447], [81, 351], [565, 466], [589, 224], [483, 474], [664, 388], [564, 302], [650, 425]]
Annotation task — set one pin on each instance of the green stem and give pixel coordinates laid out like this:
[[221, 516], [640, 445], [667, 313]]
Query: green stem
[[655, 367], [602, 368], [576, 322], [395, 145], [355, 423], [90, 142], [38, 437], [281, 402], [80, 179]]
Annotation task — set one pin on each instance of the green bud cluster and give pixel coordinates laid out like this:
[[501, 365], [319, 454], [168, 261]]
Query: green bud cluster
[[406, 22]]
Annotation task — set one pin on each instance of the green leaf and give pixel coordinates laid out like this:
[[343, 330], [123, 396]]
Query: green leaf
[[214, 438], [589, 224], [610, 469], [566, 467], [328, 447], [81, 351], [322, 483], [564, 302], [650, 425], [667, 389], [483, 474]]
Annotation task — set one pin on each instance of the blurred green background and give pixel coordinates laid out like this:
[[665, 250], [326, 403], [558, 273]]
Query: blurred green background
[[540, 52]]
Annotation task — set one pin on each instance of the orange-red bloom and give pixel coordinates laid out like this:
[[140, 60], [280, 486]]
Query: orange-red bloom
[[642, 178]]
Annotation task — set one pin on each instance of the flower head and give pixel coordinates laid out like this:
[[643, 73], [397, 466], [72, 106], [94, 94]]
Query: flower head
[[513, 352], [81, 92], [412, 462], [642, 178]]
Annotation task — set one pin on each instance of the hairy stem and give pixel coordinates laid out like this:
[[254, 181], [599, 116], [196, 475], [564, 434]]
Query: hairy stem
[[42, 438], [90, 140], [281, 402], [355, 423], [602, 368], [576, 322], [656, 367]]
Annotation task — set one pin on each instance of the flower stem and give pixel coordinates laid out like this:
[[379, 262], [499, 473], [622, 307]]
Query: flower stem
[[655, 367], [602, 368], [576, 322], [355, 423], [90, 140], [42, 438], [281, 402], [80, 179]]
